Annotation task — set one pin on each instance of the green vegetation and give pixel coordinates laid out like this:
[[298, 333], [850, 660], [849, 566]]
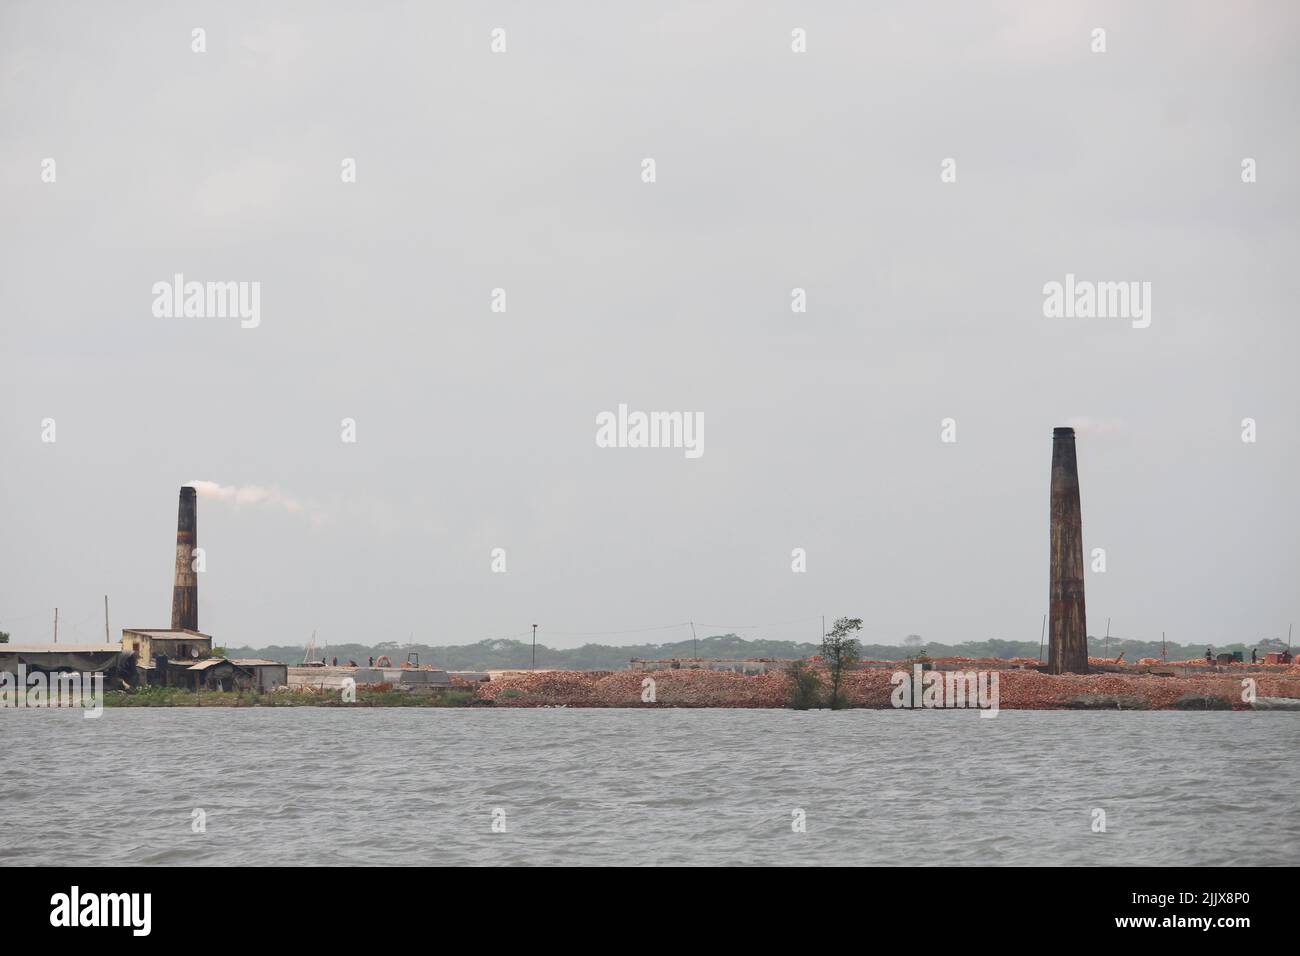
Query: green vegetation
[[840, 651], [805, 687], [4, 637], [366, 697], [180, 697]]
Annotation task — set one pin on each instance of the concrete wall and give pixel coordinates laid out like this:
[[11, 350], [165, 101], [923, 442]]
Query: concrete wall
[[332, 678], [400, 676], [151, 647]]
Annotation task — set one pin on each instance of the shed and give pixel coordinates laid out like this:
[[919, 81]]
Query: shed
[[213, 673], [266, 675], [107, 658]]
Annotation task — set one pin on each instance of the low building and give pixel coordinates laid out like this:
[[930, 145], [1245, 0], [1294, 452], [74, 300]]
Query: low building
[[177, 645], [266, 675]]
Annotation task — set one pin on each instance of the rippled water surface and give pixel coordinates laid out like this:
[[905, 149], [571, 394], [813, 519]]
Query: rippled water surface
[[328, 786]]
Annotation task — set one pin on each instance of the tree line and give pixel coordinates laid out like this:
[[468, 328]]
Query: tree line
[[515, 654]]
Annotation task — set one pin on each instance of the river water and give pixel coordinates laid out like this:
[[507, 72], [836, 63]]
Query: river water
[[415, 786]]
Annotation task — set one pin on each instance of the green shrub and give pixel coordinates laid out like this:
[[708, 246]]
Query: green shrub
[[805, 686]]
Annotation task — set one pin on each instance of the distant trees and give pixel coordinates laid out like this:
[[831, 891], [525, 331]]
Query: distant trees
[[1002, 649], [507, 654], [913, 640], [841, 650], [4, 637]]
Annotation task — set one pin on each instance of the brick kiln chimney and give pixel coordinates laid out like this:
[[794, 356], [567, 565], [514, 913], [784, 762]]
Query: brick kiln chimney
[[1068, 628], [185, 593]]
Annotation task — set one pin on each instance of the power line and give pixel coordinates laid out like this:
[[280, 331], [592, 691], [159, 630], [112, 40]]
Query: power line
[[750, 627]]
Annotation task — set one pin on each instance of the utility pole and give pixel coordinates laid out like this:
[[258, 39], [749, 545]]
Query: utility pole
[[1041, 638], [534, 647], [1164, 649], [696, 640], [107, 639], [1107, 638], [56, 625]]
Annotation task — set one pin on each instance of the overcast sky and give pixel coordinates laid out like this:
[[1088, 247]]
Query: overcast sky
[[522, 170]]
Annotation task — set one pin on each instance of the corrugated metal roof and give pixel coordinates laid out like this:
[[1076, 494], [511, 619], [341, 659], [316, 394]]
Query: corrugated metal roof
[[256, 662], [59, 648], [165, 635], [208, 662]]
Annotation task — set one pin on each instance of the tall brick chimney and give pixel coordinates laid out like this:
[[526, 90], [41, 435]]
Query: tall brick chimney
[[185, 593], [1068, 626]]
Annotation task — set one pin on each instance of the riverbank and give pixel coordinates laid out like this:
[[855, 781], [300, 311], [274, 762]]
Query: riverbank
[[874, 686]]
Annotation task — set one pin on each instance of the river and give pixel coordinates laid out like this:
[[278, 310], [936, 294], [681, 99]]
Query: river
[[515, 786]]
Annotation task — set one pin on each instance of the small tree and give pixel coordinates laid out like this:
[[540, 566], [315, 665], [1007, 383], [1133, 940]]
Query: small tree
[[4, 637], [805, 686], [913, 640], [841, 651]]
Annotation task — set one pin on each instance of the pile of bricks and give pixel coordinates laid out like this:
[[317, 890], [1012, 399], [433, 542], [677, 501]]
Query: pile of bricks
[[1021, 689], [670, 688]]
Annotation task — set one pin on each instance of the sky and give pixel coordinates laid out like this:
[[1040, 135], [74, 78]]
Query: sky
[[523, 170]]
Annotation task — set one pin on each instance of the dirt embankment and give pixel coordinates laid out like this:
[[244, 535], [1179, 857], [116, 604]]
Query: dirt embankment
[[1018, 689]]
